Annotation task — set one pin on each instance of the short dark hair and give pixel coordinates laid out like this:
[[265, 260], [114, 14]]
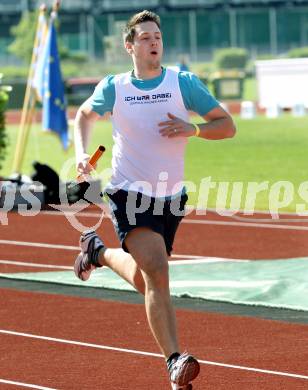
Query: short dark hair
[[141, 17]]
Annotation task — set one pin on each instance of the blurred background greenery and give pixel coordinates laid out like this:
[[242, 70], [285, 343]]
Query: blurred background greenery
[[258, 153], [217, 39]]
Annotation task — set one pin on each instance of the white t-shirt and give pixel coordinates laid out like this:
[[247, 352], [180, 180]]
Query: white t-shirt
[[143, 160]]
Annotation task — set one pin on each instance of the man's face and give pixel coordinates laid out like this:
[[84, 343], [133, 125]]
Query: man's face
[[147, 47]]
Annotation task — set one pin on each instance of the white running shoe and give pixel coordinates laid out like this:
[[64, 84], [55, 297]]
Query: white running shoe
[[87, 260], [182, 371]]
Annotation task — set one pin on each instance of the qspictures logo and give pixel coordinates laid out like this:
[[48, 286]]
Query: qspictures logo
[[148, 99], [229, 197]]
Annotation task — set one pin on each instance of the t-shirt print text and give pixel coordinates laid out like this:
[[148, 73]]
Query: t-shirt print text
[[148, 99]]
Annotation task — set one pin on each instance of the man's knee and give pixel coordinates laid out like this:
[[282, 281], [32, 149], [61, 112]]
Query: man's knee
[[138, 281], [149, 251], [157, 271]]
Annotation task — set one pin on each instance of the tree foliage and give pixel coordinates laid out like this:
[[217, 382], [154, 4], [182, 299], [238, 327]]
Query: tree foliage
[[24, 33], [3, 136]]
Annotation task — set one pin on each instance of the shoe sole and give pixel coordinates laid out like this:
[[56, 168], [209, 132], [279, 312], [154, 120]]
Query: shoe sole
[[190, 373], [81, 275], [186, 387]]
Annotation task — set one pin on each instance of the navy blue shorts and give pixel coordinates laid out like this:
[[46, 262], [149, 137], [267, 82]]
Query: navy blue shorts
[[133, 209]]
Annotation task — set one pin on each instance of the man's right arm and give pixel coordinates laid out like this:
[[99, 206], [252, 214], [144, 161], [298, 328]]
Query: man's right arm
[[83, 124], [101, 102]]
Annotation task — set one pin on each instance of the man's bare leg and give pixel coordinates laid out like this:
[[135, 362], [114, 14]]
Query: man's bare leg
[[149, 252], [146, 268], [124, 265]]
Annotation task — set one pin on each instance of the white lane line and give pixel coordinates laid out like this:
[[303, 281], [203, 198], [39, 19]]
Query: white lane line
[[279, 373], [73, 248], [275, 221], [76, 214], [144, 353], [37, 265], [29, 385], [274, 225], [244, 212], [186, 256], [229, 213], [206, 260], [40, 245], [245, 224]]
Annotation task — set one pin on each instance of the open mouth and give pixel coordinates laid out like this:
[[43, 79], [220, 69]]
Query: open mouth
[[154, 52]]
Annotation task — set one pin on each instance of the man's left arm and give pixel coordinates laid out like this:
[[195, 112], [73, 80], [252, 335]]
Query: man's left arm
[[218, 125], [196, 97]]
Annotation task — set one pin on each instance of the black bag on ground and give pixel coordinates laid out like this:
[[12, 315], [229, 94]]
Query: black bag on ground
[[50, 180]]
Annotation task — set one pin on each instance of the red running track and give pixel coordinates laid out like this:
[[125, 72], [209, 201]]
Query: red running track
[[241, 341], [249, 342]]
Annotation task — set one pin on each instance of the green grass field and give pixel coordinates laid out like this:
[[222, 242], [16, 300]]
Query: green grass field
[[264, 150]]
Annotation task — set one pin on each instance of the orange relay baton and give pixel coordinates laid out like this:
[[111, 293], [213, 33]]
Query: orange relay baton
[[77, 190], [94, 158]]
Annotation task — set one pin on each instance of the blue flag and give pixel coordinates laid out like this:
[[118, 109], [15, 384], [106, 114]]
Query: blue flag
[[41, 34], [51, 88]]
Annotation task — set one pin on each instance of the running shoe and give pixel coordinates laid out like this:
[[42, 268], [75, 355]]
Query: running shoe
[[87, 260], [182, 371], [177, 387]]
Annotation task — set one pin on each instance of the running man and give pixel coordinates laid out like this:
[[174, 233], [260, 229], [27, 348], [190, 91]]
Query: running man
[[149, 111]]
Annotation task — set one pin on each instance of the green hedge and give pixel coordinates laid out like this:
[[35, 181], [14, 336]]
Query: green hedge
[[231, 58], [300, 52]]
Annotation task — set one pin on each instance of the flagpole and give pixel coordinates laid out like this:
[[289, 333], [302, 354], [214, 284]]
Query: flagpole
[[29, 99], [51, 86], [56, 6], [27, 128]]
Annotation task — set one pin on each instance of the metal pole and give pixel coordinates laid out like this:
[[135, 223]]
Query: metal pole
[[233, 27], [303, 29], [29, 99], [82, 32], [178, 35], [110, 24], [273, 30], [25, 5], [193, 40], [91, 35]]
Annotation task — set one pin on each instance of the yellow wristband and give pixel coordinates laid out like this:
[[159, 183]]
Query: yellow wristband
[[197, 129]]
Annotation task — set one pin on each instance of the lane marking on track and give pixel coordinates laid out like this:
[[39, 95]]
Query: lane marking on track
[[231, 212], [245, 224], [74, 248], [225, 213], [37, 265], [187, 256], [171, 262], [30, 385], [76, 214], [273, 225], [151, 354], [205, 260], [276, 221], [40, 245], [242, 211]]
